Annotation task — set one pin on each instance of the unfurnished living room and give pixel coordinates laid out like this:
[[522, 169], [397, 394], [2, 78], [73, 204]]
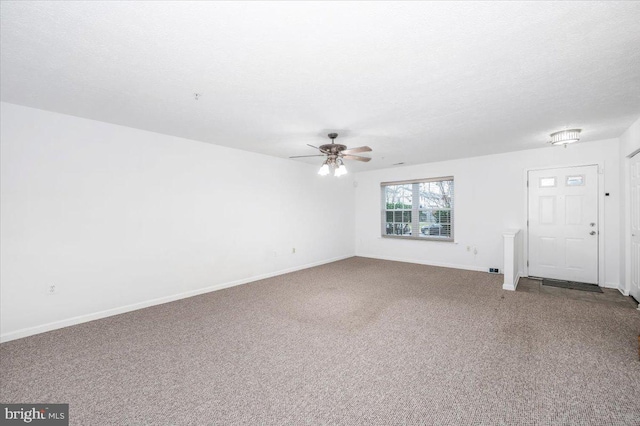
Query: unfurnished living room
[[320, 213]]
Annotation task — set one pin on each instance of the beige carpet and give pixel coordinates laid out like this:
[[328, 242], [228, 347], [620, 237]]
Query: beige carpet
[[360, 341]]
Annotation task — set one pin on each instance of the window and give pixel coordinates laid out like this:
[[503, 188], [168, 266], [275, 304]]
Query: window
[[547, 182], [575, 180], [419, 209]]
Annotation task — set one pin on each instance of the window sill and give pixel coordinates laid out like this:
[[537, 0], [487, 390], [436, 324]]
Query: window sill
[[411, 238]]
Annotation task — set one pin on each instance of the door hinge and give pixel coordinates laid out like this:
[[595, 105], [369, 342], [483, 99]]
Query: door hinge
[[527, 263], [527, 222]]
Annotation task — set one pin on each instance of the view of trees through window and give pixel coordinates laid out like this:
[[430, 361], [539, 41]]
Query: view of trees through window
[[421, 209]]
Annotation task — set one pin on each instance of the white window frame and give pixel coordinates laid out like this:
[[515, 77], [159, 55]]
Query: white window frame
[[415, 211]]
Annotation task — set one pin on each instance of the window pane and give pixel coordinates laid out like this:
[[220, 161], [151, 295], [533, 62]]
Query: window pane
[[398, 229], [442, 216], [435, 230], [547, 182], [389, 228], [398, 197], [389, 216], [435, 223], [575, 180], [400, 216], [436, 194]]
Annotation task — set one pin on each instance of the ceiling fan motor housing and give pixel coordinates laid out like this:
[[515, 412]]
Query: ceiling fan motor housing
[[333, 147]]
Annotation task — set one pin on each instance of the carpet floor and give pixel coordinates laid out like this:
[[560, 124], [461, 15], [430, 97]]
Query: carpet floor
[[360, 341]]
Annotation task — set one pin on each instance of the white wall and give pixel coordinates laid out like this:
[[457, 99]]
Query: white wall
[[119, 218], [490, 197], [629, 144]]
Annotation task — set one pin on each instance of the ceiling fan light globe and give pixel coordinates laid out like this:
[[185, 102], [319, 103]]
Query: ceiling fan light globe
[[324, 170], [340, 170]]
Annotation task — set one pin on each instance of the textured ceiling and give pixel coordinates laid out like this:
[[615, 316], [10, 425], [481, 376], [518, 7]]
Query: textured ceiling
[[416, 81]]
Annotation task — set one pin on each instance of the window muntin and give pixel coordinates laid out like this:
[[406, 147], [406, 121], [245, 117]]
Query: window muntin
[[421, 209]]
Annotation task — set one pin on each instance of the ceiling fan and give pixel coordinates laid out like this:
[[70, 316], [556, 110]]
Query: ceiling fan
[[335, 153]]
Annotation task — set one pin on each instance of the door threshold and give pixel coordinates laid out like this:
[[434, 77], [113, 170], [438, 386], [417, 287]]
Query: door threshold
[[572, 285]]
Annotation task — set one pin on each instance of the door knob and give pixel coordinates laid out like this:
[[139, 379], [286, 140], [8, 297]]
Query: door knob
[[592, 233]]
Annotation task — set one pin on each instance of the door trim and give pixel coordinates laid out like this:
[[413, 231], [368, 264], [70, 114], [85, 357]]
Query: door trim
[[601, 218], [625, 281]]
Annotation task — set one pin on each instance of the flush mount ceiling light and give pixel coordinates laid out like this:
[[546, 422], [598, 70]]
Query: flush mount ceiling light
[[565, 137]]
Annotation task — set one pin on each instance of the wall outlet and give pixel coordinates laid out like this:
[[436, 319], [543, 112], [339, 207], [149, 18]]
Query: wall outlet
[[52, 289], [494, 270], [293, 250]]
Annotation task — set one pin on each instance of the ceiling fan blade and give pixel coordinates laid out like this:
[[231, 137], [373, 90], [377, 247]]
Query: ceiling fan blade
[[356, 150], [301, 156], [312, 146], [355, 157]]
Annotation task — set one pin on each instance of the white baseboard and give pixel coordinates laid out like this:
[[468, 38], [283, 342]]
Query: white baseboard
[[426, 262], [512, 286], [30, 331], [616, 286]]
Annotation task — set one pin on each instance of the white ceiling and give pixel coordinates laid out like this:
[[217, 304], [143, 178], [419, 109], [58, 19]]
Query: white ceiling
[[417, 81]]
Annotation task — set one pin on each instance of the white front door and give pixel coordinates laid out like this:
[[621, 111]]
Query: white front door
[[634, 175], [563, 223]]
